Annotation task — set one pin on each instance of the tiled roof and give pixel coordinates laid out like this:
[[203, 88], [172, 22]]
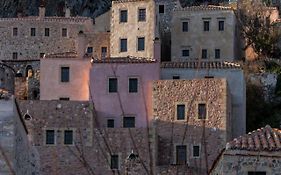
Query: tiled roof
[[202, 8], [129, 59], [77, 19], [62, 55], [202, 65], [264, 139]]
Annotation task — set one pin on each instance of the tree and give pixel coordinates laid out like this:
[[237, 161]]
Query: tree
[[255, 20]]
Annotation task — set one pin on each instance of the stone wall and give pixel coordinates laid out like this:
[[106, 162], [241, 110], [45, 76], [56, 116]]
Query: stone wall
[[210, 134], [96, 144], [97, 41], [30, 47]]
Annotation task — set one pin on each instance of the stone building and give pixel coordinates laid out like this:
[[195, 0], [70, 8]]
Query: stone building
[[133, 28], [65, 76], [70, 141], [203, 32], [231, 71], [258, 152], [17, 155], [121, 90], [192, 123]]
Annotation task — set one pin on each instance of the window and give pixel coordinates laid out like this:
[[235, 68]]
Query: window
[[123, 15], [64, 74], [42, 55], [204, 54], [181, 154], [221, 25], [180, 112], [256, 173], [176, 77], [206, 25], [112, 85], [15, 55], [185, 53], [114, 162], [64, 32], [123, 45], [141, 43], [161, 9], [89, 49], [196, 151], [185, 26], [64, 98], [202, 112], [15, 31], [50, 137], [68, 137], [217, 53], [110, 123], [133, 85], [47, 32], [33, 32], [128, 122], [142, 14], [103, 52]]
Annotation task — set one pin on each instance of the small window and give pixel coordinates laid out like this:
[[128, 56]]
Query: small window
[[68, 137], [133, 85], [89, 49], [206, 25], [114, 162], [15, 55], [64, 74], [110, 123], [123, 15], [204, 54], [202, 111], [185, 53], [196, 151], [180, 112], [217, 53], [185, 26], [128, 122], [64, 32], [161, 8], [33, 32], [50, 137], [15, 31], [221, 25], [47, 31], [123, 45], [42, 55], [176, 77], [142, 14], [141, 44], [181, 155], [103, 52], [256, 173], [112, 85], [64, 98]]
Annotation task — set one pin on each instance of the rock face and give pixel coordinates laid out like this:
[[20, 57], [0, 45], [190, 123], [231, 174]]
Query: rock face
[[89, 8]]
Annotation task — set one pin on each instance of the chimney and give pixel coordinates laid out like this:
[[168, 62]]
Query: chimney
[[81, 44], [157, 49]]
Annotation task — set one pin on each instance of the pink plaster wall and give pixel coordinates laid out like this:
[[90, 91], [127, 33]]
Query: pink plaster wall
[[138, 104], [52, 88]]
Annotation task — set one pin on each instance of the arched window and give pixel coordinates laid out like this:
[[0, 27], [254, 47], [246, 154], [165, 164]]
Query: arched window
[[27, 69]]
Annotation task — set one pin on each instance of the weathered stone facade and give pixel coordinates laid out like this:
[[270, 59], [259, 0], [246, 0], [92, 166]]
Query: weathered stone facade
[[210, 134], [217, 43]]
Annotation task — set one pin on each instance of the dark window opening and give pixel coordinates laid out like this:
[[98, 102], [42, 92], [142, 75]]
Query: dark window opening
[[64, 74], [15, 31], [50, 137], [15, 55], [142, 14], [112, 85], [221, 25], [68, 137], [202, 111], [196, 151], [64, 98], [133, 85], [185, 26], [217, 53], [64, 32], [47, 32], [123, 45], [161, 8], [128, 122], [103, 52], [180, 112], [204, 54], [123, 15], [181, 154], [185, 53], [90, 50], [206, 25], [114, 162], [33, 32], [176, 77], [141, 44], [110, 123], [256, 173]]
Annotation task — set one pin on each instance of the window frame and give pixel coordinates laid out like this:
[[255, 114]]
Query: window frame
[[183, 26], [15, 56], [32, 31], [107, 122], [45, 137], [206, 112], [72, 130], [206, 28], [141, 17], [108, 85], [15, 31], [118, 162], [176, 111], [64, 32], [61, 73], [138, 44], [217, 51], [192, 151], [221, 27], [104, 56], [182, 53], [176, 154], [129, 116], [203, 51], [120, 16], [161, 5], [126, 48], [176, 77], [133, 92], [47, 31]]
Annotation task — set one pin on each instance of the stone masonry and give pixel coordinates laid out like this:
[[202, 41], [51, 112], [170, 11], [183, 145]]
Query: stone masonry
[[210, 135]]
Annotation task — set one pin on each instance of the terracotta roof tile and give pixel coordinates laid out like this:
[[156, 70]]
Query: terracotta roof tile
[[129, 59], [202, 65], [264, 139]]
